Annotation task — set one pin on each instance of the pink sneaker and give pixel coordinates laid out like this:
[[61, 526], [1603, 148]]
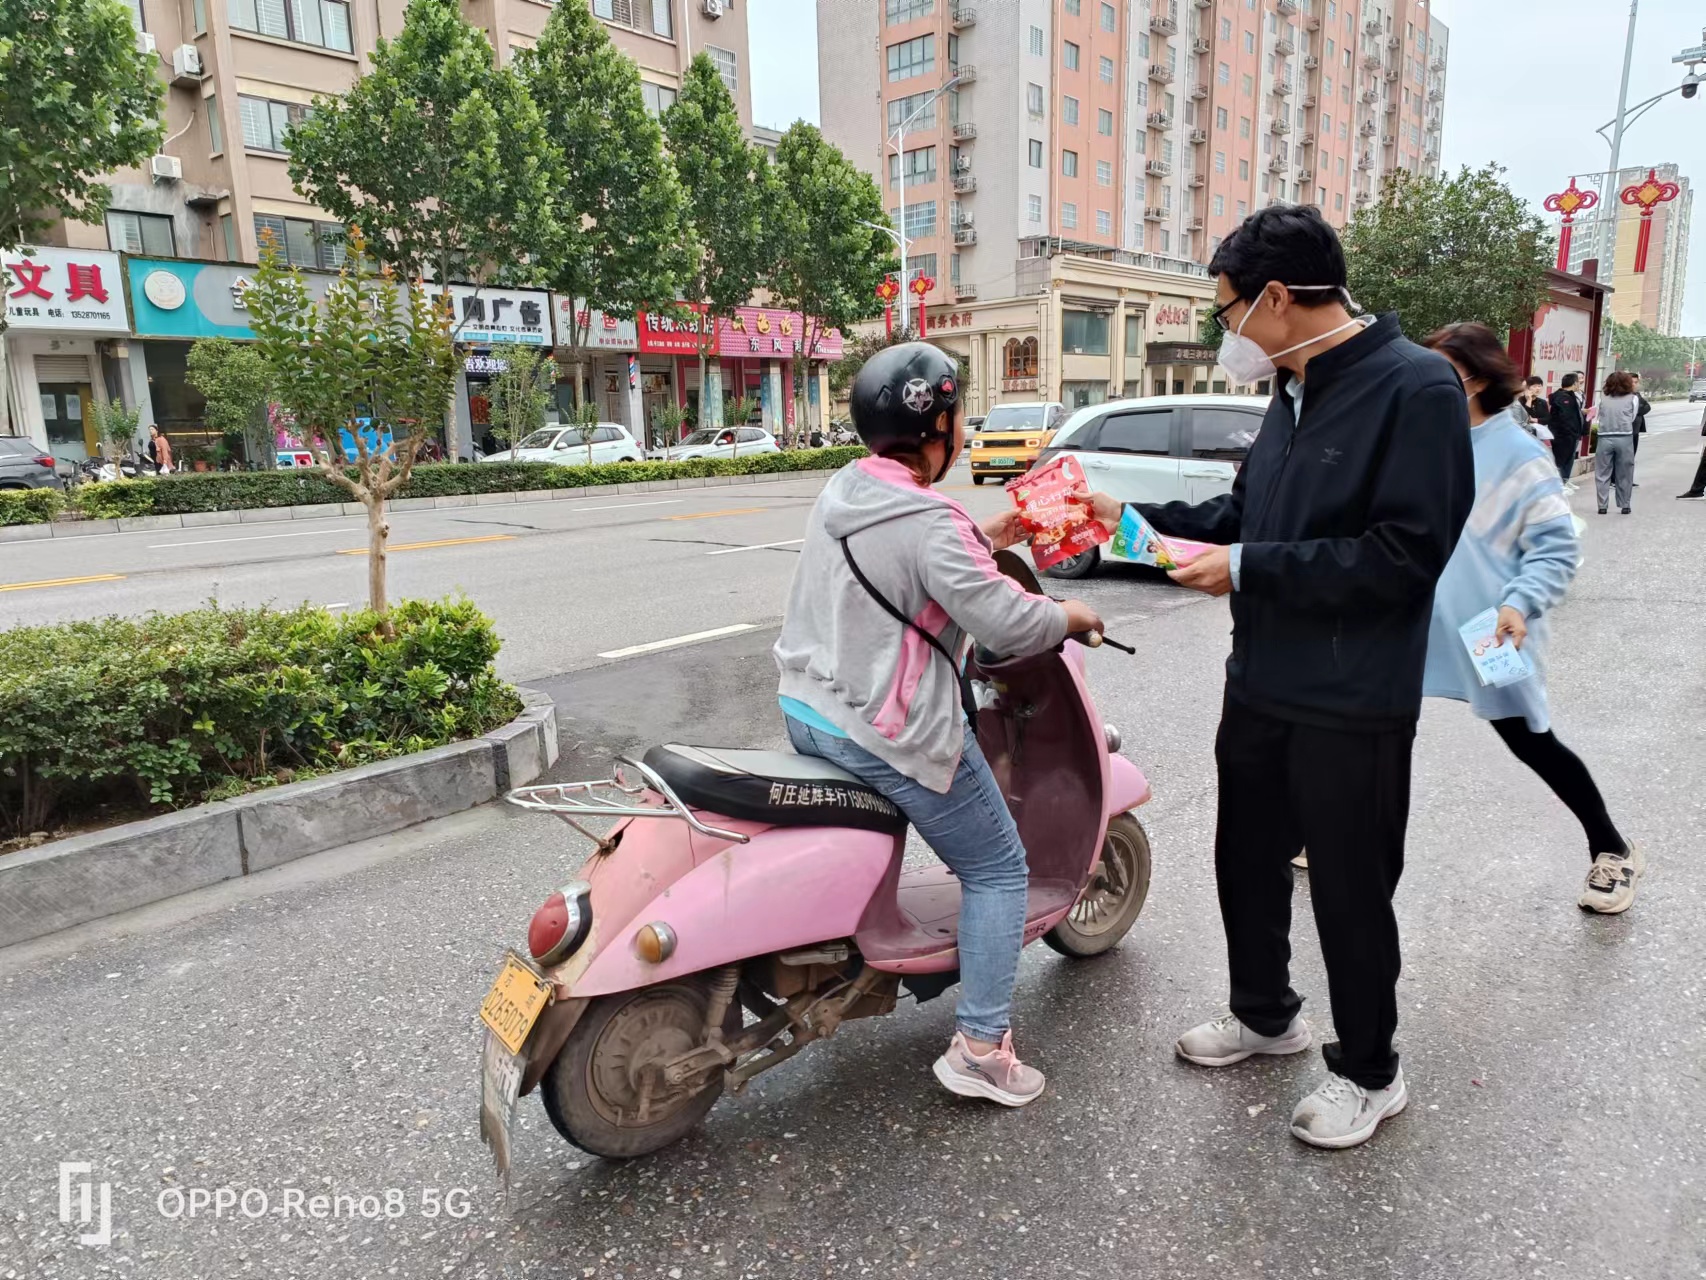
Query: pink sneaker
[[998, 1076]]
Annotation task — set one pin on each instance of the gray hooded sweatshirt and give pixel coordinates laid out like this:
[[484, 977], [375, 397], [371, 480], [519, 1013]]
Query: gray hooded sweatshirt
[[851, 662]]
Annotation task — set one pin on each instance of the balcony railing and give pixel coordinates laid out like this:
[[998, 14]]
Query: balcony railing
[[1305, 140], [965, 131], [1163, 24], [965, 291], [965, 183], [1280, 125], [1194, 224], [1197, 181], [1161, 73], [1154, 213], [1159, 168], [1277, 164], [1311, 62], [1285, 8], [1160, 120], [965, 234], [1389, 140], [1284, 88], [1202, 44], [1309, 102], [1371, 61], [1198, 137], [1199, 92], [964, 16], [966, 72], [1284, 47]]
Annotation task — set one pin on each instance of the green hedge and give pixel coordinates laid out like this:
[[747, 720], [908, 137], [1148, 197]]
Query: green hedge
[[226, 491], [123, 715], [30, 506]]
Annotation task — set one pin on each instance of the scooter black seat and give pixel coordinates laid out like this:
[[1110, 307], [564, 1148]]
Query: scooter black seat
[[773, 787]]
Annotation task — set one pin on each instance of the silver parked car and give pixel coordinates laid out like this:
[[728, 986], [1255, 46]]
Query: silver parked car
[[26, 465]]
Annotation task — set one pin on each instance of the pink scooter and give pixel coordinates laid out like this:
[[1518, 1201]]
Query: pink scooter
[[747, 903]]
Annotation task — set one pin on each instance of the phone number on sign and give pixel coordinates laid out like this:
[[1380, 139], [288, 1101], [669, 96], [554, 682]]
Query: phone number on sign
[[295, 1202]]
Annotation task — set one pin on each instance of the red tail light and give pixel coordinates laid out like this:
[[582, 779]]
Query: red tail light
[[47, 461], [561, 924]]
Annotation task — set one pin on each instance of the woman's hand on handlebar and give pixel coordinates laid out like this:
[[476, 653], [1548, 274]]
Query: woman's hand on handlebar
[[1080, 617]]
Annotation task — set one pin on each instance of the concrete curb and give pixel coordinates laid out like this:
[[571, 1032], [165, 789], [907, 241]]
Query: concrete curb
[[333, 510], [70, 882]]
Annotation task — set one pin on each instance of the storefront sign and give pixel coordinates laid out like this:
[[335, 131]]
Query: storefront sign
[[672, 336], [1018, 384], [484, 364], [484, 314], [599, 332], [178, 299], [765, 332], [950, 320], [1172, 320], [1159, 353], [1560, 343], [75, 290]]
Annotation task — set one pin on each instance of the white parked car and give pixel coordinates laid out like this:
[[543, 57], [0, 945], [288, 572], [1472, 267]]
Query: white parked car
[[565, 446], [720, 442], [1158, 449]]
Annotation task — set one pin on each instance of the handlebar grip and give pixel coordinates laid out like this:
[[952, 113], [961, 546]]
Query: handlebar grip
[[1089, 639]]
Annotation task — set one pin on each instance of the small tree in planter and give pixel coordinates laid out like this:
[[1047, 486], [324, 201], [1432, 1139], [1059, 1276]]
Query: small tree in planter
[[667, 422], [374, 360], [237, 383], [740, 409], [519, 392], [117, 428], [586, 425]]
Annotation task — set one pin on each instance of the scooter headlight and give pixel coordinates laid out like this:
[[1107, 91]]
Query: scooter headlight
[[1112, 736]]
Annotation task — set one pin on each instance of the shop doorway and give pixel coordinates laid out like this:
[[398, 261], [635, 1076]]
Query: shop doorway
[[70, 425]]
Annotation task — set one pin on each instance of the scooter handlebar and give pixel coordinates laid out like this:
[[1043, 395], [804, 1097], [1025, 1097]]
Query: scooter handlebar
[[1096, 639]]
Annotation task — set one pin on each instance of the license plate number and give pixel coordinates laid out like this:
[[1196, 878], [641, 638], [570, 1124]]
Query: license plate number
[[1000, 462], [514, 1003]]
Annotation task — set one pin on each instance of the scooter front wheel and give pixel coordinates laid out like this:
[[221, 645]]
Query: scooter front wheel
[[606, 1092], [1114, 898]]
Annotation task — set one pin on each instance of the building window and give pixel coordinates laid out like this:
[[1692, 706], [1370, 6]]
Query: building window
[[1223, 74], [1072, 7], [1339, 202], [1084, 333], [149, 233], [215, 128], [1221, 119], [1069, 216], [1069, 53], [1243, 171], [1034, 99], [1220, 162], [1220, 206], [912, 58], [1034, 208], [1143, 45], [1166, 240], [1036, 154], [920, 219], [1104, 223], [907, 10], [901, 109], [1036, 42], [317, 22], [1321, 197], [1243, 210], [266, 124], [920, 166], [1249, 42], [1137, 236], [1069, 108], [662, 22], [1105, 123], [629, 13], [1106, 69], [1104, 173], [1019, 358], [725, 64], [921, 264], [1069, 164], [659, 97], [302, 242], [1248, 86], [1109, 18], [228, 230], [1243, 126], [1226, 29]]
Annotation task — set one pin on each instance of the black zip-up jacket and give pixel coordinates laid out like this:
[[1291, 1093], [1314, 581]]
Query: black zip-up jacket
[[1540, 410], [1567, 419], [1346, 520], [1643, 407]]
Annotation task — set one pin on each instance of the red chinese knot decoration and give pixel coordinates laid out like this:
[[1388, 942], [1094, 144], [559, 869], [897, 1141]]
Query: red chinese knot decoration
[[1569, 202], [1647, 195], [889, 289]]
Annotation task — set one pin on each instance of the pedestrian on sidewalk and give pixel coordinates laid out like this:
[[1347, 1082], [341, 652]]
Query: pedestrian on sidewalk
[[159, 452], [1336, 529], [1698, 488], [1642, 408], [1614, 458], [1568, 426], [1537, 408], [1518, 551]]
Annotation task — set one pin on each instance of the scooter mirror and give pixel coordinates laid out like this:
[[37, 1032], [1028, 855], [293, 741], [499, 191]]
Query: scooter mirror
[[1015, 568]]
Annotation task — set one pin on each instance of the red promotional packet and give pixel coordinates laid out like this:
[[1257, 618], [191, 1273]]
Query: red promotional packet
[[1060, 528]]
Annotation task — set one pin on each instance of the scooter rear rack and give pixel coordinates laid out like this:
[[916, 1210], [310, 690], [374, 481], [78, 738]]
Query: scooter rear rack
[[614, 797]]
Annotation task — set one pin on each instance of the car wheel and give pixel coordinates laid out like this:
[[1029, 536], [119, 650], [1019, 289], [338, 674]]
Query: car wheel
[[1077, 567], [979, 479]]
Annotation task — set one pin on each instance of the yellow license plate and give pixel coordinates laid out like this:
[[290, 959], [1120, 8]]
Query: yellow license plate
[[514, 1003]]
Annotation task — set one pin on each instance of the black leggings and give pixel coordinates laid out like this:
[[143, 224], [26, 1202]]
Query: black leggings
[[1562, 770]]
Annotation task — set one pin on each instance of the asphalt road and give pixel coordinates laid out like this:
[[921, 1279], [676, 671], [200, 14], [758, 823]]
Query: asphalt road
[[314, 1029]]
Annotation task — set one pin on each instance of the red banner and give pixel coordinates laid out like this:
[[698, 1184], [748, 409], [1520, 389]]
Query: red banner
[[671, 335]]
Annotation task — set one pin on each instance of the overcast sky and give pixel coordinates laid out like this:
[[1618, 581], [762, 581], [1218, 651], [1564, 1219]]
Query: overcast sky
[[1516, 93]]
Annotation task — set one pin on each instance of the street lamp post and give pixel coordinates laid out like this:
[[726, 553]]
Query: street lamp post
[[897, 140]]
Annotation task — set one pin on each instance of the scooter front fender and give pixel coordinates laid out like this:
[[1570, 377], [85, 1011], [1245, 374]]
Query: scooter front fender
[[1127, 787], [787, 887]]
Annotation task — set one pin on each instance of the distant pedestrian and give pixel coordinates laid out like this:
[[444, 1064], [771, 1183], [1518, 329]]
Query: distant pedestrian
[[159, 452], [1568, 426], [1518, 551], [1642, 409], [1539, 411], [1614, 459]]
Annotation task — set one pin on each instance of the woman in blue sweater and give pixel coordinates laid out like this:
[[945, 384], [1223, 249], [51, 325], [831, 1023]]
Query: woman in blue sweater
[[1517, 551]]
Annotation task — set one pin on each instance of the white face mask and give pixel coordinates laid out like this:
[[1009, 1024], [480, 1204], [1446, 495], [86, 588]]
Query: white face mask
[[1245, 359]]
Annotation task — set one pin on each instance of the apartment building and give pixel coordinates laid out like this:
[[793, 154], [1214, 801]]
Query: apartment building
[[1136, 126], [1653, 298]]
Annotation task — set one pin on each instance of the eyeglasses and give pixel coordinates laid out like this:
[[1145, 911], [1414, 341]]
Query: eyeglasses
[[1218, 319]]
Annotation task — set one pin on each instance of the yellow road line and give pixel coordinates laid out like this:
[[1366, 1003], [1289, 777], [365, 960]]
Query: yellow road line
[[707, 515], [61, 582], [442, 542]]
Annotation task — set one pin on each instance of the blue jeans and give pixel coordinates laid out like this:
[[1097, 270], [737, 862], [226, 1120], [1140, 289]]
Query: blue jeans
[[972, 831]]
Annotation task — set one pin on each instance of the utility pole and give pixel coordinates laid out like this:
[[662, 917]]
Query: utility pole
[[897, 140], [1608, 202]]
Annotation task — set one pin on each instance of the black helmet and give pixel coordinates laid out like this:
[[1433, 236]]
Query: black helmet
[[899, 393]]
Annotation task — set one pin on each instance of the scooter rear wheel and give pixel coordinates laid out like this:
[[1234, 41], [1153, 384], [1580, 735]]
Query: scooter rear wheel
[[1114, 898], [605, 1092]]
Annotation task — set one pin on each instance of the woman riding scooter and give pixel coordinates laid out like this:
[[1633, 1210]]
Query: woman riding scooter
[[893, 578]]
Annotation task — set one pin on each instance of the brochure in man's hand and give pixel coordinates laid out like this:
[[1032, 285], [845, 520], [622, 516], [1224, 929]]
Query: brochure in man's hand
[[1136, 539], [1497, 665]]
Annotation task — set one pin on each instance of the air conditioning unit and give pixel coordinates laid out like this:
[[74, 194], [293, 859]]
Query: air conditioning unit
[[186, 66], [144, 42], [712, 8], [166, 168]]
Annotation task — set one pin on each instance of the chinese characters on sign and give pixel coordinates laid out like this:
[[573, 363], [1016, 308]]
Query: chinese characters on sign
[[483, 315], [578, 325], [783, 335], [952, 320], [72, 289]]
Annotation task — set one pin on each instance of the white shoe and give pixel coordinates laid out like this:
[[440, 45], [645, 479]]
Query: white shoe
[[1610, 889], [1226, 1040], [1301, 861], [1341, 1113]]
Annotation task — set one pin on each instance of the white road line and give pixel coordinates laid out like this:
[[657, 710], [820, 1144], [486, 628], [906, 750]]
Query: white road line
[[761, 546], [623, 506], [258, 537], [675, 641]]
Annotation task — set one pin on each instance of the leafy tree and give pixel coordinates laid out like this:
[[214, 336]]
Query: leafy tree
[[618, 238], [520, 392], [375, 359], [729, 187], [77, 100], [439, 155], [1662, 361], [586, 425], [117, 428], [827, 262], [237, 383], [1438, 250]]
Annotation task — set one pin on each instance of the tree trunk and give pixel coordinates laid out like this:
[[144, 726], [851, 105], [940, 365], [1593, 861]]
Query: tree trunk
[[5, 376], [580, 378], [710, 404], [378, 530]]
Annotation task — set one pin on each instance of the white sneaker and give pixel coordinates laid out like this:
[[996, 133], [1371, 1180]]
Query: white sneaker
[[1611, 884], [1301, 861], [1341, 1113], [1226, 1040]]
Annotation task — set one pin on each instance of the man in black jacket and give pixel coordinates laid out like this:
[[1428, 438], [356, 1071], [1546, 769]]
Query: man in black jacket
[[1643, 407], [1330, 543], [1568, 426]]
